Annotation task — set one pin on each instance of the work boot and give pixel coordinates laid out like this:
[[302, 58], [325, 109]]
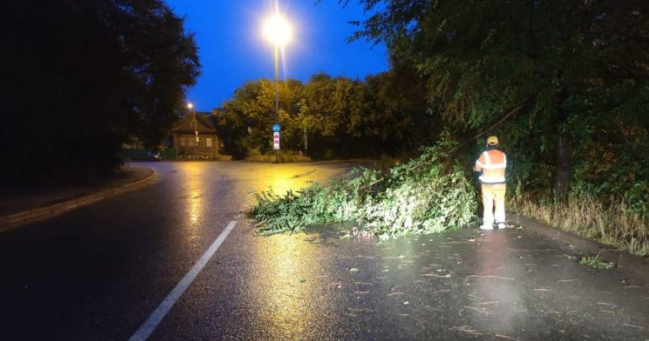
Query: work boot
[[487, 227]]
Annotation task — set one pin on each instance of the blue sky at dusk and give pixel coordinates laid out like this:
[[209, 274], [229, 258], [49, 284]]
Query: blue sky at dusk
[[233, 51]]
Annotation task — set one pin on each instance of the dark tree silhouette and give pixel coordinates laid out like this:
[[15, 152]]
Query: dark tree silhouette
[[80, 78]]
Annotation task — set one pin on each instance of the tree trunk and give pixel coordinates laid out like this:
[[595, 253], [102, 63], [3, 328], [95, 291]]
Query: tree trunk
[[564, 166], [563, 147]]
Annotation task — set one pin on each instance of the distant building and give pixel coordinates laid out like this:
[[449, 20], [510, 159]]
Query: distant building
[[194, 137]]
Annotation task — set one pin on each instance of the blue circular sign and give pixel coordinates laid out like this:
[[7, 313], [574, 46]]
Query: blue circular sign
[[276, 128]]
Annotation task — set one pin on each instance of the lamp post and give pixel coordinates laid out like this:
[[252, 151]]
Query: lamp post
[[278, 32], [190, 106]]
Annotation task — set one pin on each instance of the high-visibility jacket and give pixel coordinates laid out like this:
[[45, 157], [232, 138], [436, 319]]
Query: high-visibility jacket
[[492, 163]]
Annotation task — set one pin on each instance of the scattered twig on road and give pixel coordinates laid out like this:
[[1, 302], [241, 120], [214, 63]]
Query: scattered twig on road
[[566, 280], [484, 311], [419, 322], [488, 303], [395, 287], [544, 290], [494, 277], [436, 275], [398, 293], [633, 326], [505, 337], [467, 329], [361, 310]]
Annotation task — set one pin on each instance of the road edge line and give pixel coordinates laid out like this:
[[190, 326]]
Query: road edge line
[[161, 311]]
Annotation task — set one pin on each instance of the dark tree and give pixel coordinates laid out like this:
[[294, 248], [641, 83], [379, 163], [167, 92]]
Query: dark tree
[[82, 77], [581, 68]]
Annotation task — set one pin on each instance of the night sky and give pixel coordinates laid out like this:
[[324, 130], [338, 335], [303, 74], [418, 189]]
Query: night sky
[[232, 49]]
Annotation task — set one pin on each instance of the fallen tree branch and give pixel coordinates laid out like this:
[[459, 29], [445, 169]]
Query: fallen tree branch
[[500, 121]]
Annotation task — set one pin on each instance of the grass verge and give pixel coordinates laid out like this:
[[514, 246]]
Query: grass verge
[[613, 223]]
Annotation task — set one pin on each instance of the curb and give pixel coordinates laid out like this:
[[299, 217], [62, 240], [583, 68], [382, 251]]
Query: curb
[[13, 221], [623, 260]]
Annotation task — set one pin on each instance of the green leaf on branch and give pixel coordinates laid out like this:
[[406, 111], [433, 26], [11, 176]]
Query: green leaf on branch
[[426, 195]]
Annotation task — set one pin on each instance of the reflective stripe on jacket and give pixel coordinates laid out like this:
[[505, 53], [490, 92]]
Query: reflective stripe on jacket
[[492, 163]]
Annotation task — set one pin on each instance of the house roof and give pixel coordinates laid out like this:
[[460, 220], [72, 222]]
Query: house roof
[[204, 123]]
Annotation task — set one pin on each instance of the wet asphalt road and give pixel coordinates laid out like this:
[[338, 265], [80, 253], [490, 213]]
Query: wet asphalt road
[[97, 274]]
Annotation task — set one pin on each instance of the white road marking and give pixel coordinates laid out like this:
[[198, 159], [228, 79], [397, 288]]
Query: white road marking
[[156, 317]]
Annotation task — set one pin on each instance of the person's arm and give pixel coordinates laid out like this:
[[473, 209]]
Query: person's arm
[[479, 163]]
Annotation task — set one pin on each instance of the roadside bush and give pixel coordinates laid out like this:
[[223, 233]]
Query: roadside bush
[[284, 156], [428, 194], [223, 157]]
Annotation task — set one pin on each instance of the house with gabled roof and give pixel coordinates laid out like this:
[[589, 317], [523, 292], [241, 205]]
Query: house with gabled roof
[[194, 137]]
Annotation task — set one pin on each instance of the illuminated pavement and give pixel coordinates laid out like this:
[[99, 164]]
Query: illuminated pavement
[[99, 272]]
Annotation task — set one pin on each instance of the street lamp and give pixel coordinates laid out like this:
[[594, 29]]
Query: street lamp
[[278, 32]]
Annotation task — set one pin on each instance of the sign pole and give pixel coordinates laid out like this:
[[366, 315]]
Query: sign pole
[[276, 144], [276, 139]]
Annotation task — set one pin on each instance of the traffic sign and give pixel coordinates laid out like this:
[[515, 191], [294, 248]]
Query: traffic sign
[[276, 141], [276, 128]]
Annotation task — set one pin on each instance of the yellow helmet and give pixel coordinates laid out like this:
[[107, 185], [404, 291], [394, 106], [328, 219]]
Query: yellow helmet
[[492, 141]]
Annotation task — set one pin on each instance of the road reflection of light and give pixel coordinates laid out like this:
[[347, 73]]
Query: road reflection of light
[[282, 184], [282, 179], [195, 207], [285, 286], [495, 285], [193, 193]]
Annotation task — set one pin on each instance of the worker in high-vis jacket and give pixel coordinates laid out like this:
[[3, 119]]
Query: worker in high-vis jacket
[[492, 163]]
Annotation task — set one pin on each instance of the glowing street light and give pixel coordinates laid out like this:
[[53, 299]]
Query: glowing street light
[[277, 30], [279, 33]]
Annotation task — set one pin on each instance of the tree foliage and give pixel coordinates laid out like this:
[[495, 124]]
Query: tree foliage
[[426, 195], [342, 117], [82, 77], [581, 66]]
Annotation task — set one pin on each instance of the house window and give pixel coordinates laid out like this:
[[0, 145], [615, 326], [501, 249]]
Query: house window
[[208, 142], [199, 141], [183, 141]]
